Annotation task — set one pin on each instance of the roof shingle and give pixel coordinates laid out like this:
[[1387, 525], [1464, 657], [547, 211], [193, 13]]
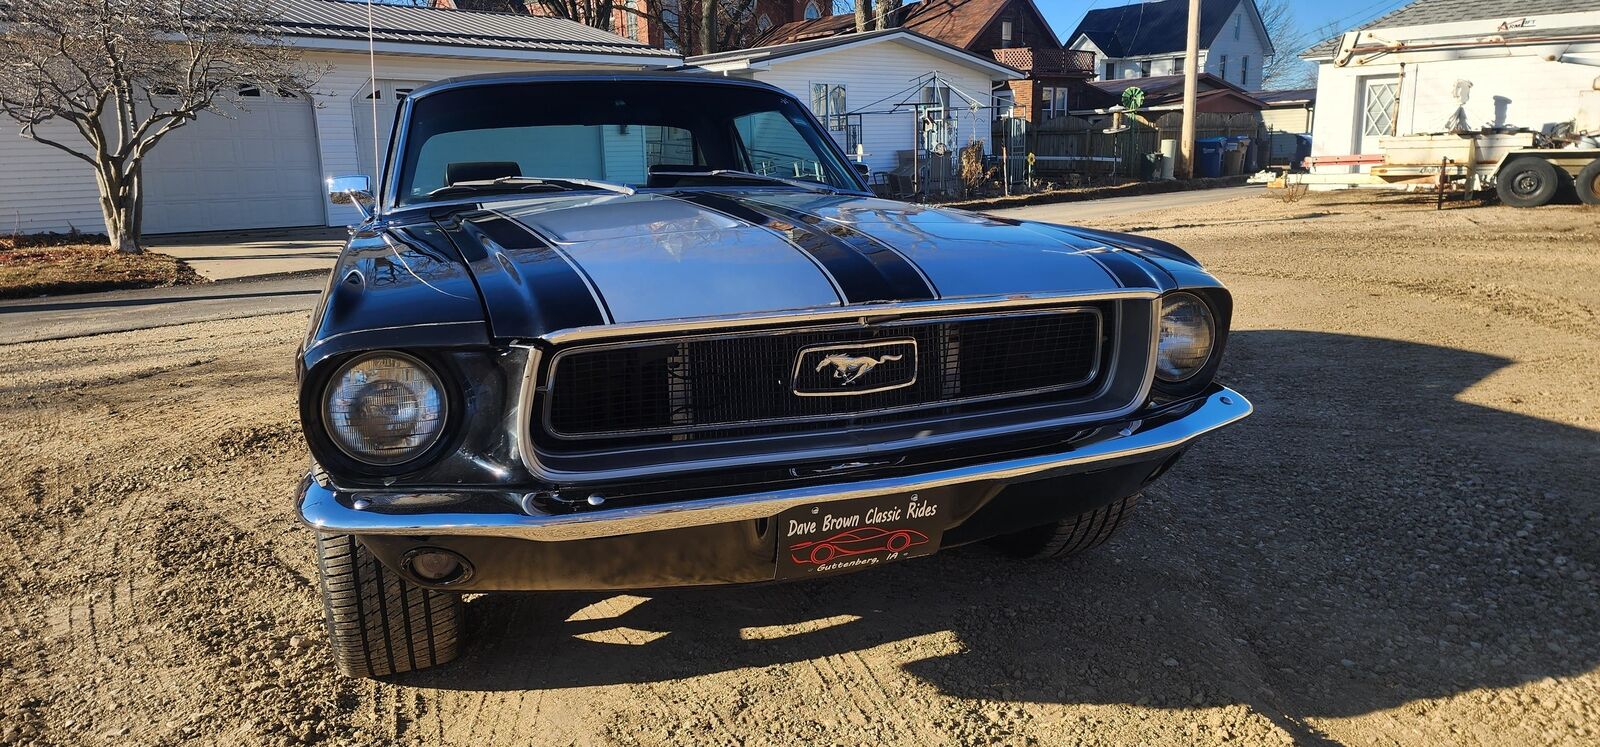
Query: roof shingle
[[1425, 12], [1151, 28], [338, 19]]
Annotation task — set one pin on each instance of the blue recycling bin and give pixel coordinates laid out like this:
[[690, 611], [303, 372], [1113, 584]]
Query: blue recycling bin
[[1208, 157]]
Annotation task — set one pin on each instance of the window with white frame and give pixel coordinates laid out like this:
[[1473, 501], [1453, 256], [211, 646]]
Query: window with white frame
[[1004, 101], [1177, 65], [1238, 21], [1061, 101], [1005, 33], [1224, 67], [1144, 68], [828, 103]]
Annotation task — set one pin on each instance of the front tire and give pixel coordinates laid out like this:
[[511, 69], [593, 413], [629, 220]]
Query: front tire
[[1069, 536], [1528, 182], [378, 623]]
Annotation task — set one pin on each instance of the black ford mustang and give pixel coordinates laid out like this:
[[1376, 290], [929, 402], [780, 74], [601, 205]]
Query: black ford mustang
[[646, 330]]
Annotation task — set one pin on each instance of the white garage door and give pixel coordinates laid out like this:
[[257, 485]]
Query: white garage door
[[257, 169]]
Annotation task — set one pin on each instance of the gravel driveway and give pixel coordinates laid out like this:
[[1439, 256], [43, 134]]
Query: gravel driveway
[[1398, 548]]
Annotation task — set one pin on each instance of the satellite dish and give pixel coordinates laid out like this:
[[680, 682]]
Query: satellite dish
[[1132, 98]]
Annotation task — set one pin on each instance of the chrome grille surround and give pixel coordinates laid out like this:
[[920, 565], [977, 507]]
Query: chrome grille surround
[[1125, 387], [678, 401]]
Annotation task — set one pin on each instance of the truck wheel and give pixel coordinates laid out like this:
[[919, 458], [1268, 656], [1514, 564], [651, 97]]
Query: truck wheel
[[1069, 536], [1528, 182], [377, 622], [1589, 183]]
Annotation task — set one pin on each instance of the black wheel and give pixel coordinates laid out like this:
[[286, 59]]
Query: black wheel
[[1069, 536], [1528, 182], [378, 623], [1589, 183]]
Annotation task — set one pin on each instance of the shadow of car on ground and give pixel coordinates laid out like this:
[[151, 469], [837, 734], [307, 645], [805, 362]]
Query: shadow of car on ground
[[1367, 539]]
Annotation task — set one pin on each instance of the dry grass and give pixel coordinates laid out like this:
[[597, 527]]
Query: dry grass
[[56, 263]]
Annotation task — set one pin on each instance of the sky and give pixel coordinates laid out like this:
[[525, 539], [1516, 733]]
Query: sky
[[1311, 15]]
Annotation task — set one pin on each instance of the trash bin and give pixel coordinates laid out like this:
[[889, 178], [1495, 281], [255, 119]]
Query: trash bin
[[1208, 157], [1246, 160], [1232, 159], [1150, 170], [1169, 153]]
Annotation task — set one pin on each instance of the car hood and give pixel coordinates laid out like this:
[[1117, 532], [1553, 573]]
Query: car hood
[[556, 262]]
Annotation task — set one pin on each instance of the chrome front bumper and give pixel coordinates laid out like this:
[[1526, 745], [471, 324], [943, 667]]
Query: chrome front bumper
[[497, 514]]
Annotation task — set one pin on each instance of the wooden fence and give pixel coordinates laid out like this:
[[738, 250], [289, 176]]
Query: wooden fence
[[1078, 148]]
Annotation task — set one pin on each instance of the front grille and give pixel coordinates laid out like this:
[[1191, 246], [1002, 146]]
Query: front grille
[[769, 382]]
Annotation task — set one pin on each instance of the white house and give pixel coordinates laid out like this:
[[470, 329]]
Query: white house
[[880, 93], [1440, 65], [265, 167], [1146, 39]]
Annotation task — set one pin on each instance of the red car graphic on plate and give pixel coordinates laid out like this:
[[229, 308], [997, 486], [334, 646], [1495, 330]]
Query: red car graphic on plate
[[855, 542]]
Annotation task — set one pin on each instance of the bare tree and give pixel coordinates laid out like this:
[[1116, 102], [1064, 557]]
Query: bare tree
[[863, 15], [1284, 68], [885, 16], [125, 73]]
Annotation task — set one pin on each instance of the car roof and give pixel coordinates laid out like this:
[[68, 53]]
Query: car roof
[[671, 75]]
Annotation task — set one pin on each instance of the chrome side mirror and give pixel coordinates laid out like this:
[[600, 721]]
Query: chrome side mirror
[[352, 189]]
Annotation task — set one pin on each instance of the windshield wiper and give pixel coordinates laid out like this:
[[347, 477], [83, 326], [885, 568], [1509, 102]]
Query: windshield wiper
[[736, 174], [515, 183]]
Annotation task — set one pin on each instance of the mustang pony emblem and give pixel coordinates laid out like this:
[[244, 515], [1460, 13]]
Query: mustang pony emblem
[[852, 367]]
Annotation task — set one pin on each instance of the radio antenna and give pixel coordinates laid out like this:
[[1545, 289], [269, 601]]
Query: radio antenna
[[372, 81]]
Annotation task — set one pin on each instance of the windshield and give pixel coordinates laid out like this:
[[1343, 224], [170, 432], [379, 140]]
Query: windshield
[[639, 134]]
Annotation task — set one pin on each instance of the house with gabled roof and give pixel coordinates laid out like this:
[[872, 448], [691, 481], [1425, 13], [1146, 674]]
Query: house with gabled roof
[[1012, 32], [264, 165], [1148, 39]]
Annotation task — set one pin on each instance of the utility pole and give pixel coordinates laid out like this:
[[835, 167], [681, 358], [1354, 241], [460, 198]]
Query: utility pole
[[1191, 93]]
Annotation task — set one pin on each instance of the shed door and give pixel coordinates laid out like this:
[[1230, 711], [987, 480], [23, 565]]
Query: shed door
[[1380, 105], [249, 169]]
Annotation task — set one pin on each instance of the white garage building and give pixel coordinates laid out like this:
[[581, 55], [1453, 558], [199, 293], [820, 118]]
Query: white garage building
[[264, 167]]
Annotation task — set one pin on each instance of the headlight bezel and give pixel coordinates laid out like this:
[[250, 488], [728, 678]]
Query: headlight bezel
[[334, 455], [1207, 318], [1219, 303]]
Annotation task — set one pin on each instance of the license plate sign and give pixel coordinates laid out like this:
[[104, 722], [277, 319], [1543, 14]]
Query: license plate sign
[[824, 538]]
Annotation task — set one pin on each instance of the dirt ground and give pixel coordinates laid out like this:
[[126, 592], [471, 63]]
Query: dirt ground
[[1398, 548]]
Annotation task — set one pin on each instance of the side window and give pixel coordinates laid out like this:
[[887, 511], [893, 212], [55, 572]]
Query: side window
[[776, 148], [813, 12], [1047, 101], [1244, 70], [1144, 69]]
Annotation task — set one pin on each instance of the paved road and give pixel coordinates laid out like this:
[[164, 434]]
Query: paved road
[[118, 311], [1088, 211]]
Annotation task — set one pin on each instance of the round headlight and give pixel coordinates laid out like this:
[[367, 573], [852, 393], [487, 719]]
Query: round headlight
[[385, 408], [1187, 334]]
